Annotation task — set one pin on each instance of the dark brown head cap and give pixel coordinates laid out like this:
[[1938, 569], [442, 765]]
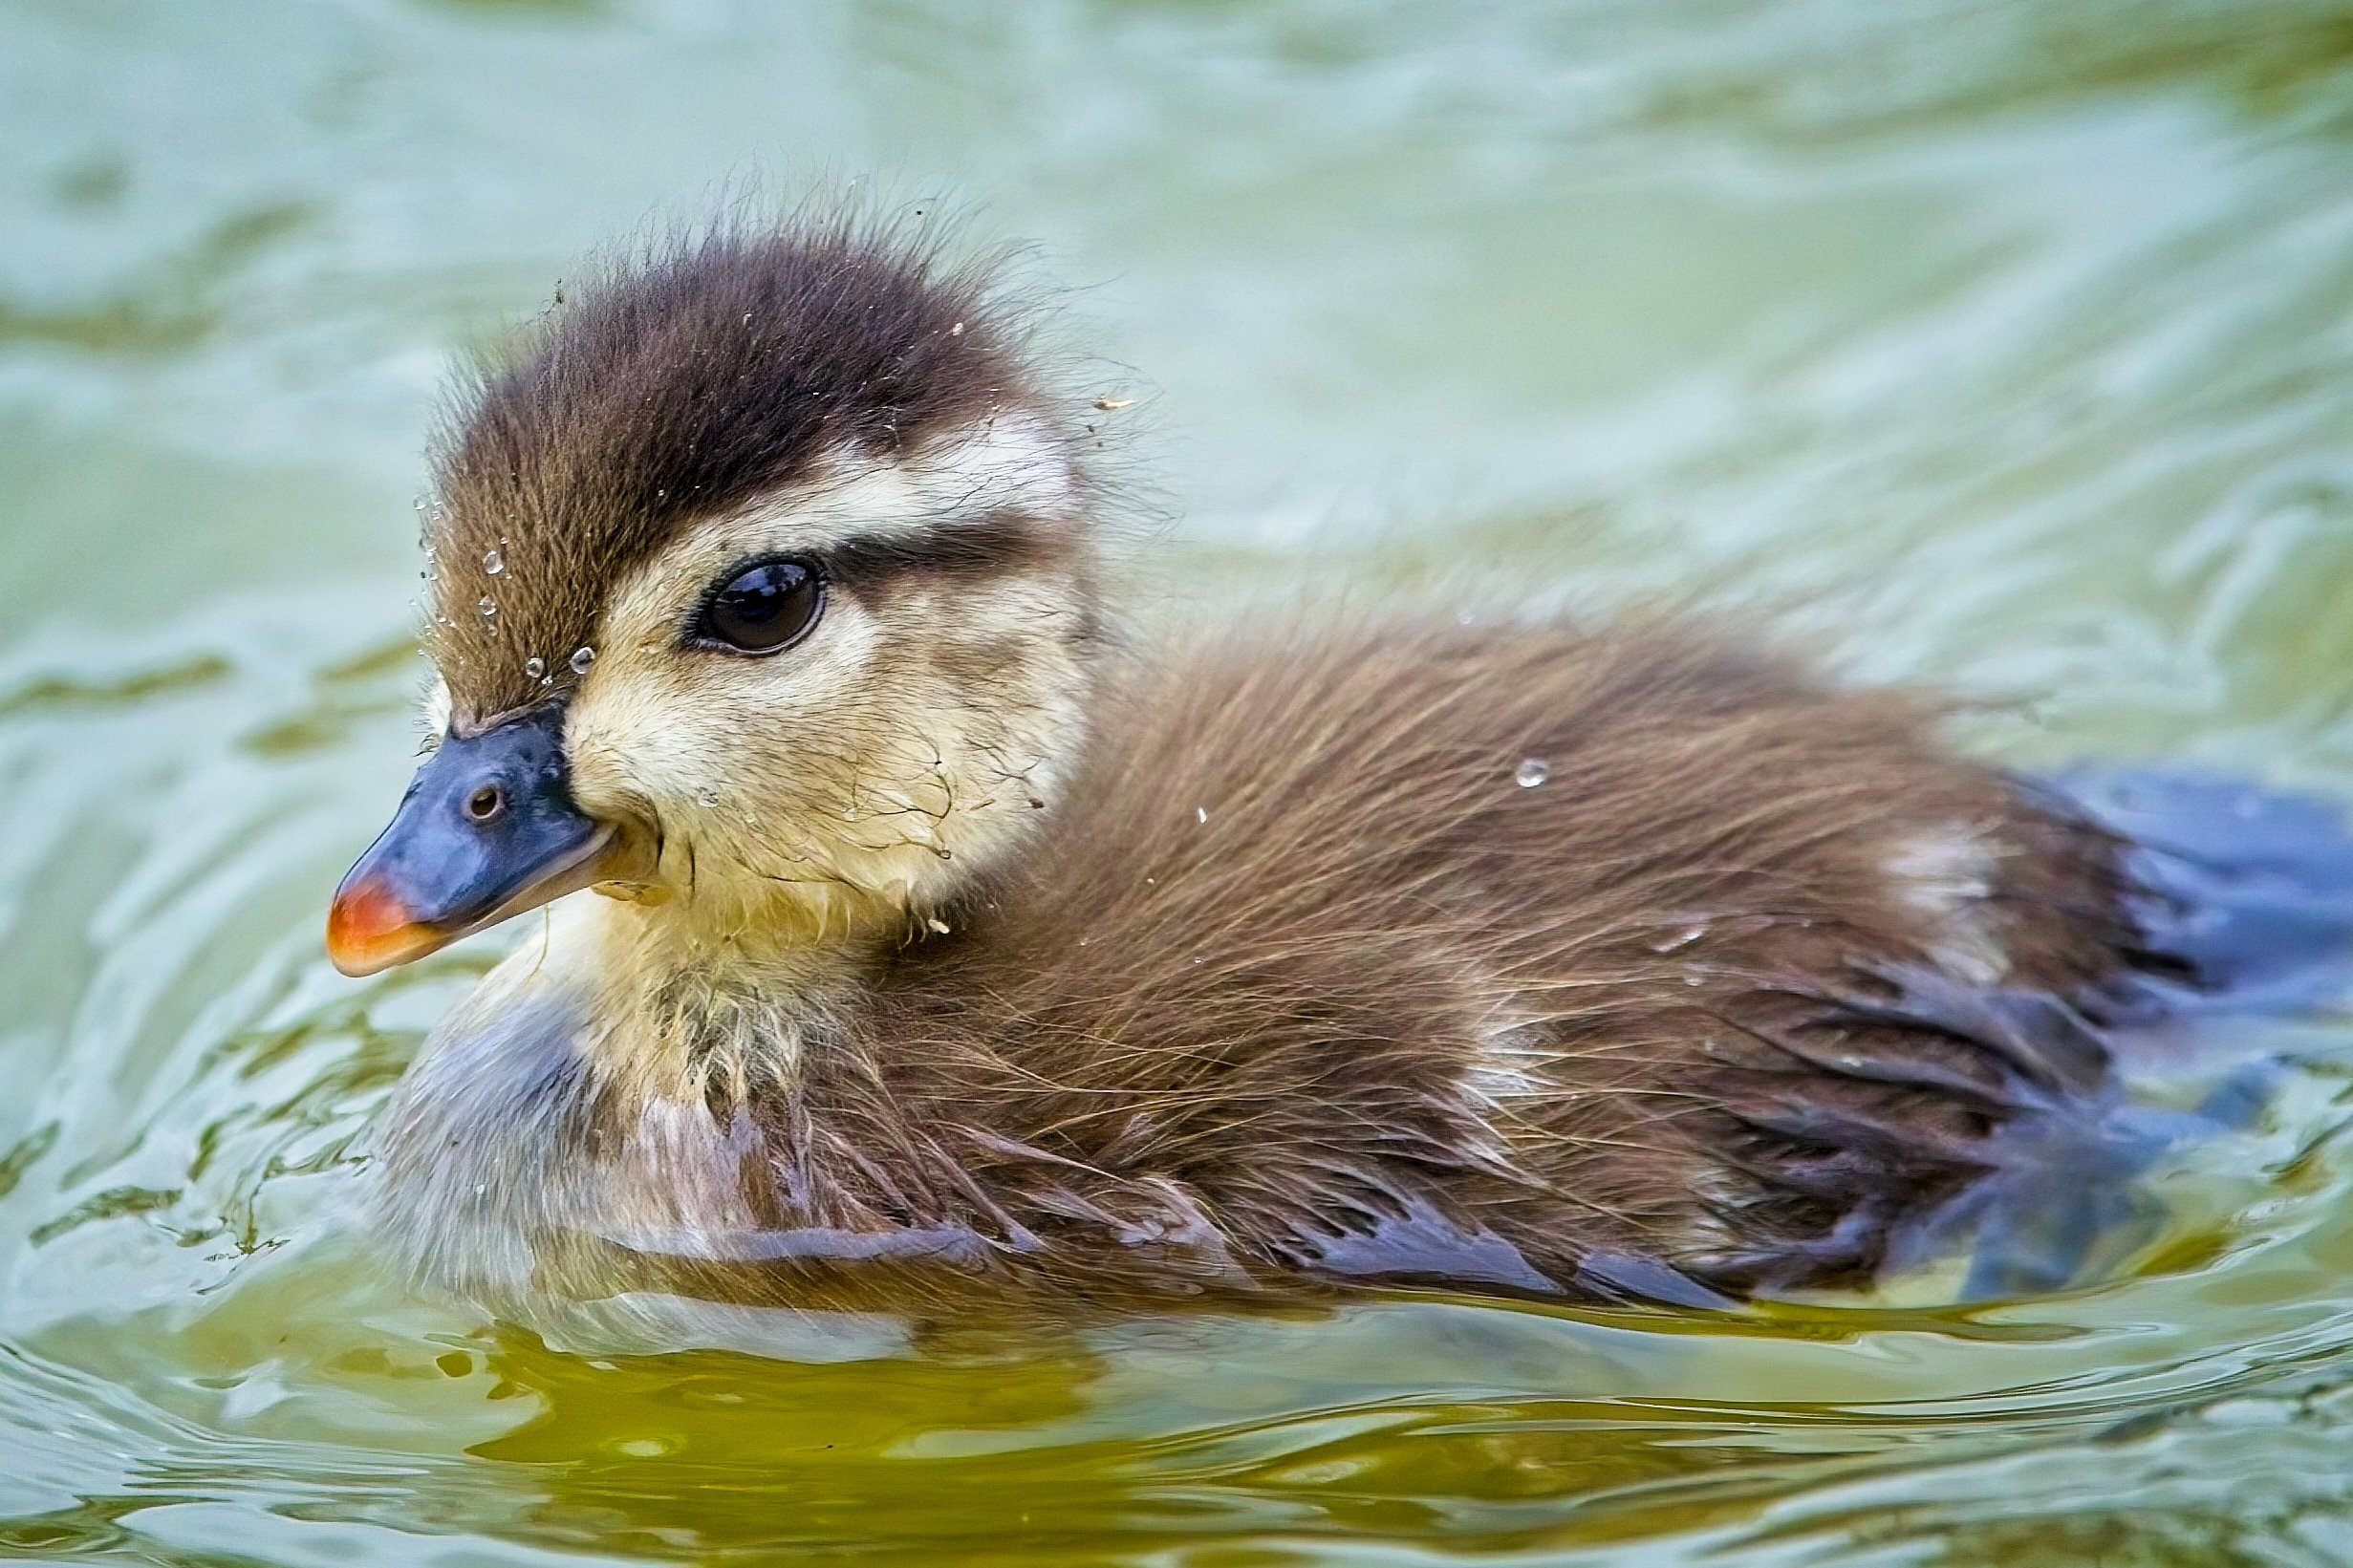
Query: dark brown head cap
[[678, 385]]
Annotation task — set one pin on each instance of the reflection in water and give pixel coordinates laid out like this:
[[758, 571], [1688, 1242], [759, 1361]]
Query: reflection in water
[[2001, 344]]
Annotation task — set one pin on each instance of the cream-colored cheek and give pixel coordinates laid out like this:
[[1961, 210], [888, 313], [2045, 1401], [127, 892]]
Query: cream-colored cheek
[[751, 781], [636, 749], [852, 782]]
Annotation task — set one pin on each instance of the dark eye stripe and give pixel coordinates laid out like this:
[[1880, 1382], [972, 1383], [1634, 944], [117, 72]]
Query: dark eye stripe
[[985, 547], [965, 551]]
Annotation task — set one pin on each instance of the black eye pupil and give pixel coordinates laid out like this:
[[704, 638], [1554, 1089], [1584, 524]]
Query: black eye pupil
[[764, 608]]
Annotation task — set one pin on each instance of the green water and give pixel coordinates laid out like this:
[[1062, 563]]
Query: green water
[[2004, 346]]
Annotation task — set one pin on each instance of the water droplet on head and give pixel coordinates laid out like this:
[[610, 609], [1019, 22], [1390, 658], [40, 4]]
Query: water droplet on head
[[1200, 813], [581, 658], [492, 561], [1531, 772], [534, 667]]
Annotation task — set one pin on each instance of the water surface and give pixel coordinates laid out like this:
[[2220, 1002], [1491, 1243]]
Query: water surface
[[2003, 346]]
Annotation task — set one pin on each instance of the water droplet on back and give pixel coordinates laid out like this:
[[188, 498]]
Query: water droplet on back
[[1531, 772], [534, 668], [492, 561], [581, 658], [486, 605], [1684, 938]]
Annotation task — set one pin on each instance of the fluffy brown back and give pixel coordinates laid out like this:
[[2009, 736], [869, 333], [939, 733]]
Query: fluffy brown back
[[1307, 976]]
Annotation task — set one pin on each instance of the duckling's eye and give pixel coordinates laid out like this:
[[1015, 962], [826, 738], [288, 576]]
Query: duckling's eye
[[761, 609]]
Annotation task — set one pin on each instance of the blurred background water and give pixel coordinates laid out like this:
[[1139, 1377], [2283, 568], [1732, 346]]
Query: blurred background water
[[2008, 344]]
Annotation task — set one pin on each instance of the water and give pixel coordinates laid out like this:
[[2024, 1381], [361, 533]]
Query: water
[[2008, 346]]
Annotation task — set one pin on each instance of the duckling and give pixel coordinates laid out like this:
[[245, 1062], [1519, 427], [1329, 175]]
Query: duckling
[[931, 928]]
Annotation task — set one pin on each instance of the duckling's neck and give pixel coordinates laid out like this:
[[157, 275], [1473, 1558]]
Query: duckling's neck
[[718, 1006], [606, 1084]]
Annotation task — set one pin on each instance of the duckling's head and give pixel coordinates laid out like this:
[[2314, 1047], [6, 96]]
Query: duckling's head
[[761, 594]]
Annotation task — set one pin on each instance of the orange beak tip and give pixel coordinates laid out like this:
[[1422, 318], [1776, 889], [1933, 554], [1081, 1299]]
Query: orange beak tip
[[369, 931]]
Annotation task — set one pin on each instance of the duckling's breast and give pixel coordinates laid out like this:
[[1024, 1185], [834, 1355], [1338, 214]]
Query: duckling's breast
[[510, 1160]]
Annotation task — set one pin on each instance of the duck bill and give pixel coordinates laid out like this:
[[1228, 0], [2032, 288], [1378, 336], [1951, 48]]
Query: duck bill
[[487, 830]]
